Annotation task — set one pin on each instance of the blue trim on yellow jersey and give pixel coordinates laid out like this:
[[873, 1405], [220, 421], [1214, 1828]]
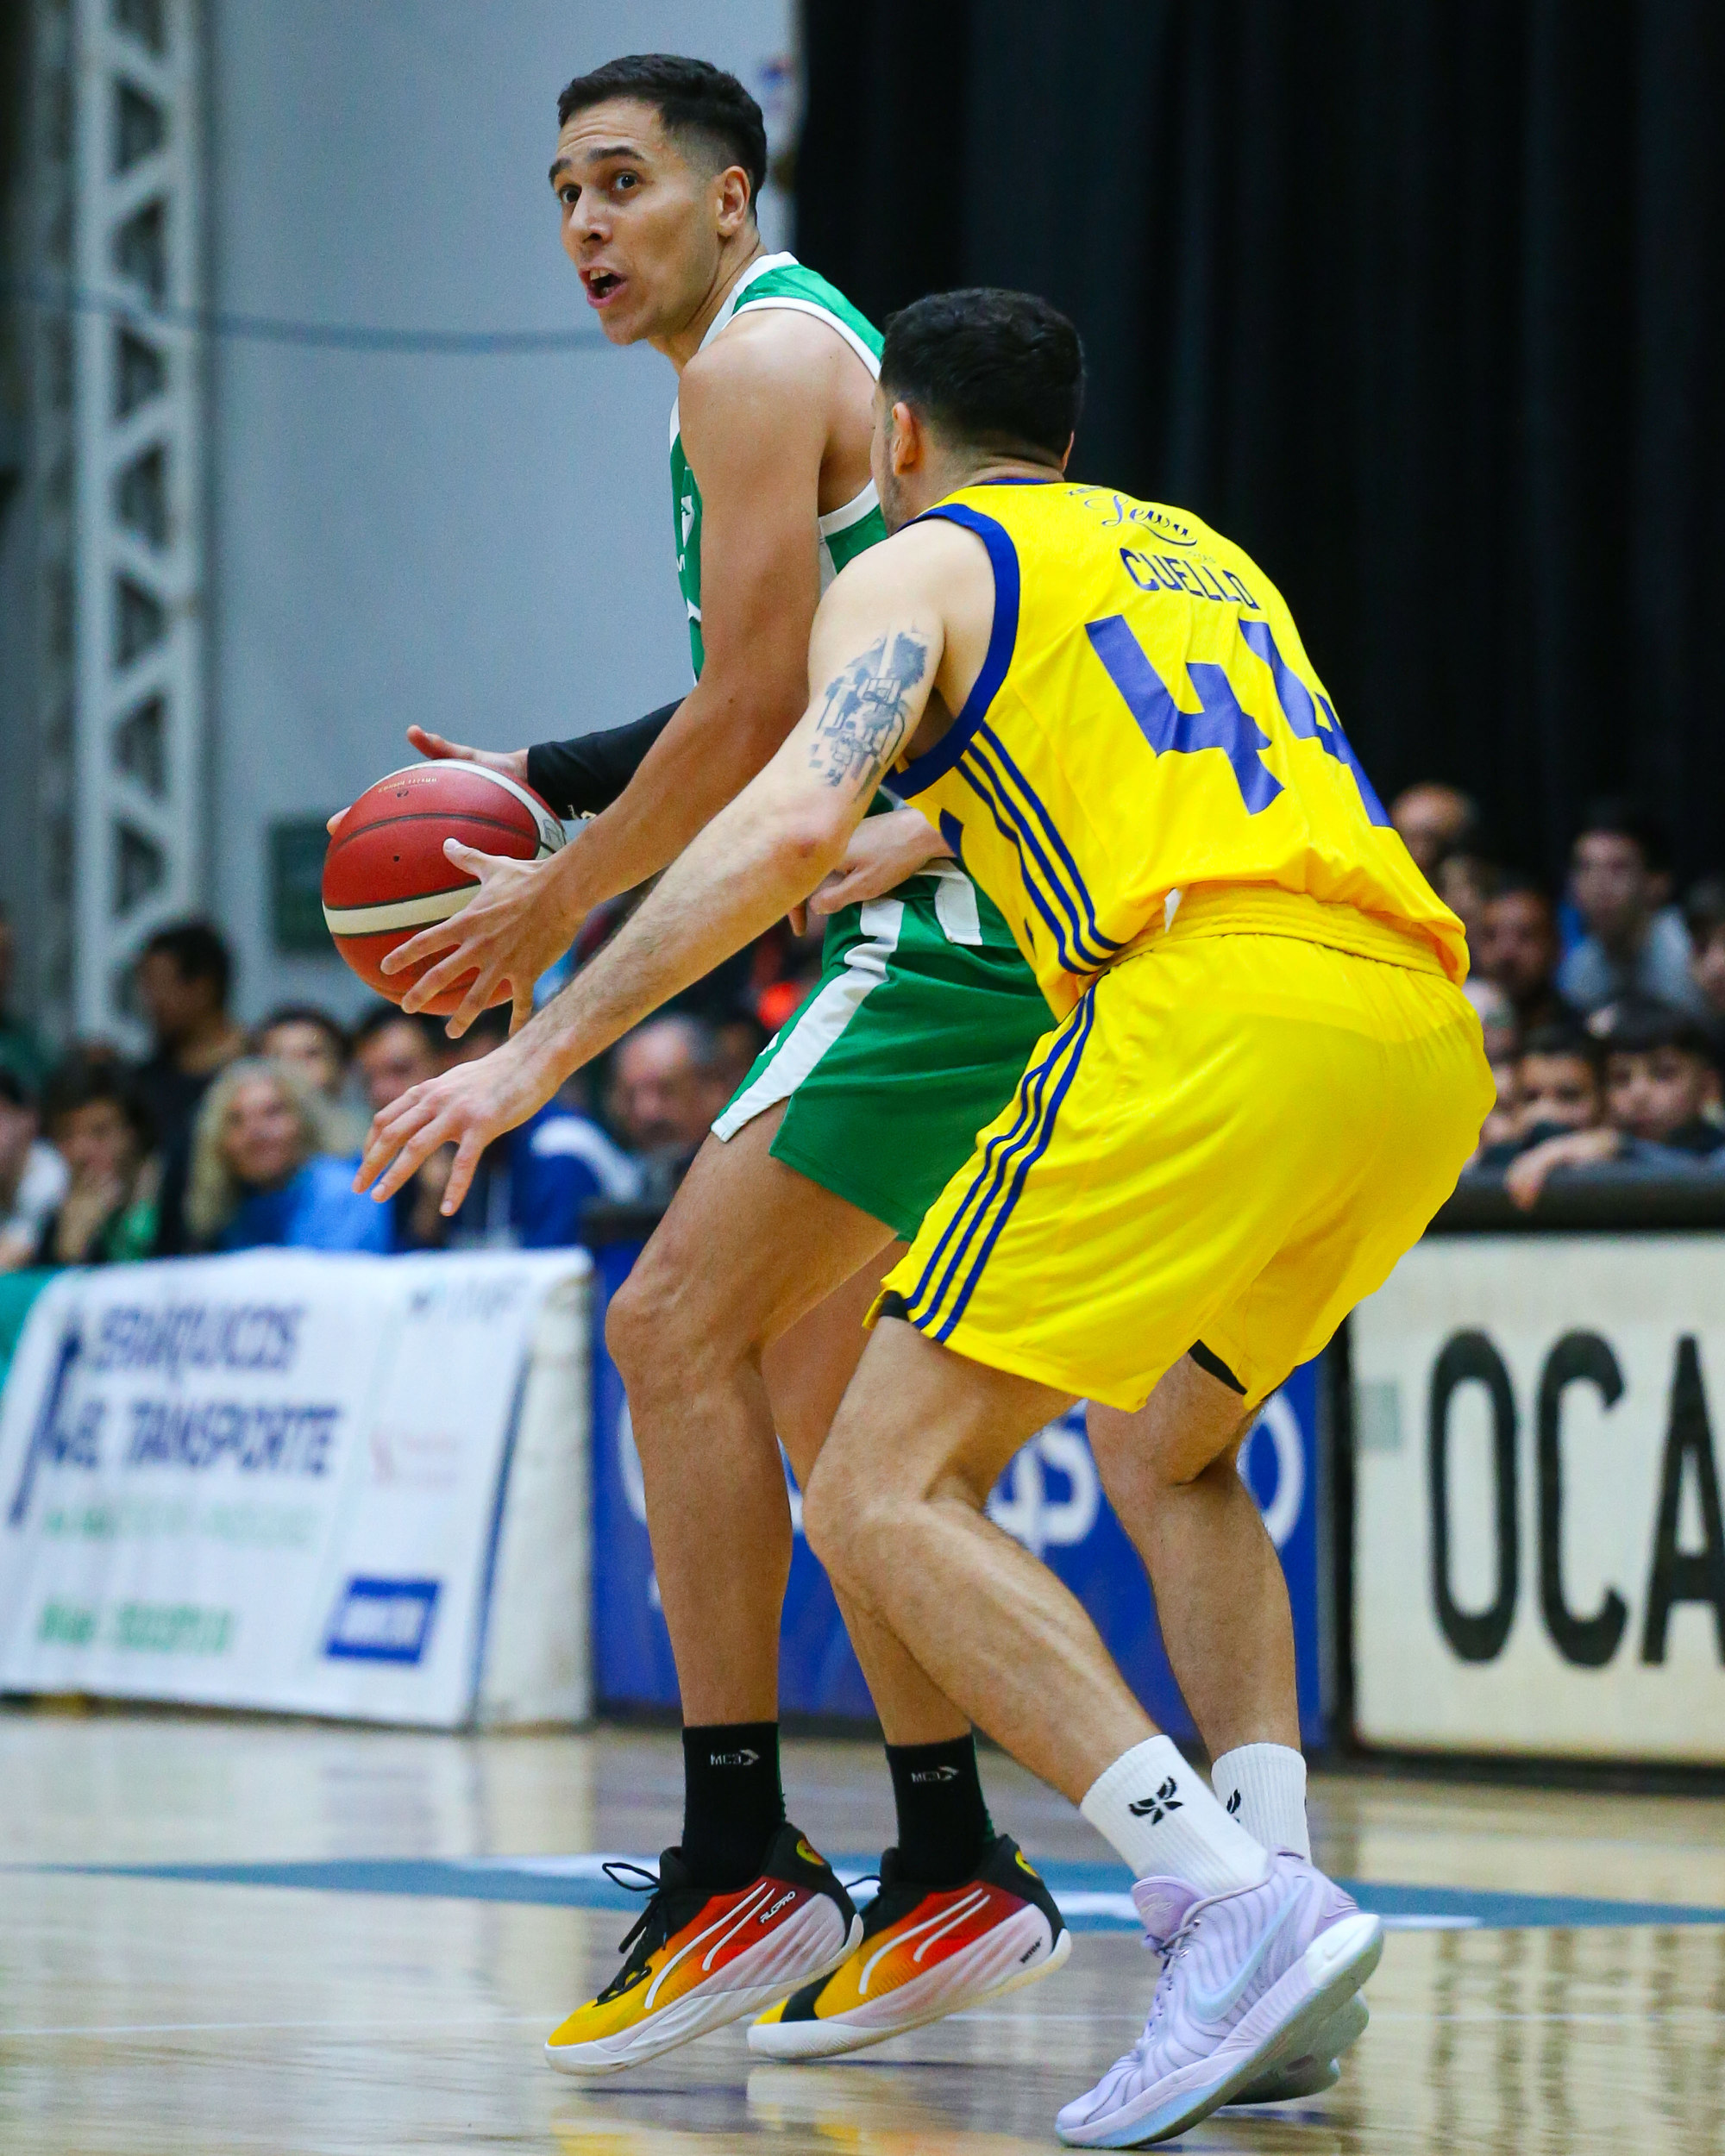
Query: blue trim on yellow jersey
[[1104, 944], [1011, 1152], [1027, 1158], [985, 784], [982, 1186], [1003, 557], [980, 772]]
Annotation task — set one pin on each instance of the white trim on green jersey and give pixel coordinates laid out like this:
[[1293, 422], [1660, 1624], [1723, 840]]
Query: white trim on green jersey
[[839, 534]]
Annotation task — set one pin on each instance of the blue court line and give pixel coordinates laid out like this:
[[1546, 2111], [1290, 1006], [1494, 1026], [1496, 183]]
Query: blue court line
[[1093, 1895]]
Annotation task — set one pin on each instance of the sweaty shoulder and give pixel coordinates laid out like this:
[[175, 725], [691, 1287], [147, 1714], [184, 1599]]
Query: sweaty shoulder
[[769, 358]]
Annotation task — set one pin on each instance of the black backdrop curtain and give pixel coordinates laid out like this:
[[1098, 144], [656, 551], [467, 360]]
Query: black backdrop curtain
[[1420, 301]]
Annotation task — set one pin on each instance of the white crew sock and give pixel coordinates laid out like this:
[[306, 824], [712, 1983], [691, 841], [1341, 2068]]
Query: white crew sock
[[1156, 1812], [1263, 1787]]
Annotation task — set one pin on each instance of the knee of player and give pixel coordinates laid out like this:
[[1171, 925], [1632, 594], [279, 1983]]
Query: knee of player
[[836, 1508], [641, 1328]]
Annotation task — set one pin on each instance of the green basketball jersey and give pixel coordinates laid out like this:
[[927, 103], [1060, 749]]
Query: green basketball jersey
[[778, 281]]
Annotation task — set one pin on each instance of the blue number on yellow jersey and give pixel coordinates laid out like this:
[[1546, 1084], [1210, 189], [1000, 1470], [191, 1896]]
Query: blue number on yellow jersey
[[1147, 722]]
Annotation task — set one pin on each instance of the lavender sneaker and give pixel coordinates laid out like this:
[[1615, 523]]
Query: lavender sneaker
[[1249, 1979]]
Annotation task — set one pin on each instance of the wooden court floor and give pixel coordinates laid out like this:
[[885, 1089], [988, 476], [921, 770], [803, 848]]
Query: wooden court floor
[[259, 1936]]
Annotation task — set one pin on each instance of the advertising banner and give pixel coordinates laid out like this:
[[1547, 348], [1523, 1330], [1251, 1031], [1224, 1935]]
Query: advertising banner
[[1049, 1498], [274, 1479], [1539, 1560]]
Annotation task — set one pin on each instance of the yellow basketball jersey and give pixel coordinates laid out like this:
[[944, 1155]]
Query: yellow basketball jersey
[[1147, 726]]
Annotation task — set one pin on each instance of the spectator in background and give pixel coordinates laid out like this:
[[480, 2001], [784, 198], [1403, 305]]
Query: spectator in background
[[101, 1128], [1703, 916], [21, 1050], [1635, 941], [1433, 821], [1561, 1079], [262, 1173], [393, 1051], [1662, 1082], [1467, 883], [1496, 1018], [309, 1041], [1559, 1083], [667, 1082], [1518, 951], [33, 1177], [183, 979], [533, 1184]]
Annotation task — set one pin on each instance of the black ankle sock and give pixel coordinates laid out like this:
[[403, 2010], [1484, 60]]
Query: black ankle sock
[[944, 1823], [732, 1802]]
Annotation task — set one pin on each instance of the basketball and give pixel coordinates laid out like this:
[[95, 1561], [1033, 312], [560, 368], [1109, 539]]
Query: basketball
[[386, 875]]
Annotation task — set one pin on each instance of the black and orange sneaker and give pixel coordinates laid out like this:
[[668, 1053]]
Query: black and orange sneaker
[[698, 1959], [925, 1952]]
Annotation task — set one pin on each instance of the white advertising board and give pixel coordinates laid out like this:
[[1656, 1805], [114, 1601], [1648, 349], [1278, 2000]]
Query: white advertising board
[[1538, 1559], [276, 1480]]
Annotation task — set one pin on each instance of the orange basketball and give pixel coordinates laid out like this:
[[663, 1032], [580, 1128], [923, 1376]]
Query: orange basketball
[[386, 875]]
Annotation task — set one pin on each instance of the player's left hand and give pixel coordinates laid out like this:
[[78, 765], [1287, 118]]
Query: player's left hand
[[467, 1108], [883, 851], [516, 924]]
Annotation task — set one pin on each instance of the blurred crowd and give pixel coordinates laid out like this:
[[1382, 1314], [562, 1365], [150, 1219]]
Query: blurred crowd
[[1602, 1005], [230, 1138]]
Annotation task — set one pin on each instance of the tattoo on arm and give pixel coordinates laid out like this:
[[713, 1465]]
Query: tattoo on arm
[[865, 718]]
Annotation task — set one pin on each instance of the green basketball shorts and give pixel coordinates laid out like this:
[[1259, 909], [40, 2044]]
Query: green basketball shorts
[[918, 1032]]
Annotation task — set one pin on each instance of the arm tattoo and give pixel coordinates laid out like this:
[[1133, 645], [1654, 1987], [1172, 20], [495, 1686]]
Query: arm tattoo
[[864, 722]]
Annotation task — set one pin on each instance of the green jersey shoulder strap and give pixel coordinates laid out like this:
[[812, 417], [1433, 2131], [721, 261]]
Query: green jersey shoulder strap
[[781, 281]]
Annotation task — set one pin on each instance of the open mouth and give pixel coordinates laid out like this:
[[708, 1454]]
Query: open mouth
[[603, 285]]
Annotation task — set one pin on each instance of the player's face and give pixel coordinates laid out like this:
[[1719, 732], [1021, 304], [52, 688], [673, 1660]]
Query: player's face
[[642, 225]]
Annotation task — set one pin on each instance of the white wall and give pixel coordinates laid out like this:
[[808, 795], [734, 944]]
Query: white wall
[[480, 544]]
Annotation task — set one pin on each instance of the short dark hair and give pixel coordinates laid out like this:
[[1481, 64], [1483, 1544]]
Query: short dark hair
[[82, 1081], [306, 1014], [1613, 816], [1703, 909], [382, 1016], [691, 96], [1638, 1025], [1563, 1037], [995, 370], [1514, 884], [199, 952]]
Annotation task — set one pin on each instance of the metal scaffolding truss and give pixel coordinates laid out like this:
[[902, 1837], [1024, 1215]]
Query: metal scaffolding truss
[[117, 433]]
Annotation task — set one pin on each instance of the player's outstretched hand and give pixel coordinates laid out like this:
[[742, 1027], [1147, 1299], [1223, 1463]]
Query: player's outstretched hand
[[467, 1107], [514, 927], [882, 852], [512, 763]]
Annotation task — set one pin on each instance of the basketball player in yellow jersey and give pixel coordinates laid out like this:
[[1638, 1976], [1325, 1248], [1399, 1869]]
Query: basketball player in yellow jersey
[[1265, 1082]]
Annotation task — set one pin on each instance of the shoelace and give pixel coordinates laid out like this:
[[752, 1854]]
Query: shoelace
[[1168, 1951], [644, 1882]]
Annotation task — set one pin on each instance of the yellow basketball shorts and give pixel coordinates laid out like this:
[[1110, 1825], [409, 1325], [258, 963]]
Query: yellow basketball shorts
[[1231, 1140]]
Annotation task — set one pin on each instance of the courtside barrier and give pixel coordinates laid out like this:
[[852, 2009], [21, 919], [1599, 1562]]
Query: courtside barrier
[[1049, 1498], [1538, 1555], [331, 1485]]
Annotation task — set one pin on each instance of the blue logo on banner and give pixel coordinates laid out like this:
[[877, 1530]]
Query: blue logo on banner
[[383, 1620]]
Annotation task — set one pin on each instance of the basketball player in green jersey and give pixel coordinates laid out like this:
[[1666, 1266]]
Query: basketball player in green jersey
[[811, 1184], [838, 1140]]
